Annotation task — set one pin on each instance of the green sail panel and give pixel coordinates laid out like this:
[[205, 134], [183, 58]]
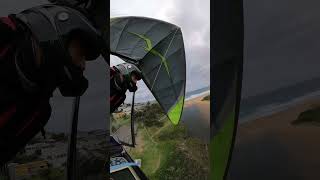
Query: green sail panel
[[176, 112], [157, 48]]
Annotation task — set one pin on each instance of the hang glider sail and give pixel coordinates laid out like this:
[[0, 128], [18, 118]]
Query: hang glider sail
[[157, 48], [227, 68]]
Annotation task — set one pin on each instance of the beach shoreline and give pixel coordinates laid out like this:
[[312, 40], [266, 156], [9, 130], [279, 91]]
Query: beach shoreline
[[312, 100], [197, 98], [196, 117], [273, 144]]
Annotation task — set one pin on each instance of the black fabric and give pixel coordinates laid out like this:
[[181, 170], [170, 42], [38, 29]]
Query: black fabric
[[53, 26], [27, 119], [7, 35], [88, 43], [22, 114], [117, 90], [10, 86], [21, 55], [74, 88], [25, 63]]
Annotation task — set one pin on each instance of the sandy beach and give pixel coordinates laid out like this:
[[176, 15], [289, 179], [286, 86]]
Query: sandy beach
[[272, 148], [197, 100], [203, 106], [196, 116]]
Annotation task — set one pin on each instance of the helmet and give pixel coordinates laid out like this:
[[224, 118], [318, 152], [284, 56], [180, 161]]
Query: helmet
[[53, 27], [127, 70]]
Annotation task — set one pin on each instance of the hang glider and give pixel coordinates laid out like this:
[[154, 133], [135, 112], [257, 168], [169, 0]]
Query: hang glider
[[157, 48], [227, 68]]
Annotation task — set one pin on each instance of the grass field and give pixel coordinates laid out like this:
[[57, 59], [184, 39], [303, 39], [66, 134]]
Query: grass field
[[166, 151]]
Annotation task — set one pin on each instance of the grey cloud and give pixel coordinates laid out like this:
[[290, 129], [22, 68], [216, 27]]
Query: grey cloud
[[194, 18], [281, 44]]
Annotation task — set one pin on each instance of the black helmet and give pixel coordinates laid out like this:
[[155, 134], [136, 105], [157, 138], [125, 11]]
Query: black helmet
[[53, 27], [127, 70]]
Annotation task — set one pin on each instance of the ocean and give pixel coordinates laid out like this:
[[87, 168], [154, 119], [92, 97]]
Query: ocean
[[278, 100], [197, 93]]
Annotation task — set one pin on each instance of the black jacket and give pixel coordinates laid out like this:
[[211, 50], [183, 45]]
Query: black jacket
[[22, 114], [117, 91]]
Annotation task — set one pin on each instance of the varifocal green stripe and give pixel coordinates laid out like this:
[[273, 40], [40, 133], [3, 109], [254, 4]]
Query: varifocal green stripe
[[175, 113], [148, 48], [220, 149]]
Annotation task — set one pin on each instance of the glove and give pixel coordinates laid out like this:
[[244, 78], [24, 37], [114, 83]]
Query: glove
[[75, 86]]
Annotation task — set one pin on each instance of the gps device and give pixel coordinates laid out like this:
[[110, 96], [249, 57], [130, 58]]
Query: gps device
[[122, 166]]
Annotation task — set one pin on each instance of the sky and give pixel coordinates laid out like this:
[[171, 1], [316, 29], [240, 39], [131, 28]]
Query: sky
[[194, 20], [281, 45]]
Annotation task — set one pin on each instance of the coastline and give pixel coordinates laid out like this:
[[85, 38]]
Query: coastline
[[202, 94], [272, 144], [273, 109], [196, 117], [197, 98]]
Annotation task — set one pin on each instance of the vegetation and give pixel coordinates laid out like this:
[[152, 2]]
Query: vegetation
[[23, 158], [50, 174], [309, 116], [34, 140], [118, 122], [165, 150], [3, 177], [150, 115], [206, 98], [87, 170], [59, 137]]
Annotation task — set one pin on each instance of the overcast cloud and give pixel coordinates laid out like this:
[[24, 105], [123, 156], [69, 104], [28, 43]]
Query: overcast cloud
[[281, 44]]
